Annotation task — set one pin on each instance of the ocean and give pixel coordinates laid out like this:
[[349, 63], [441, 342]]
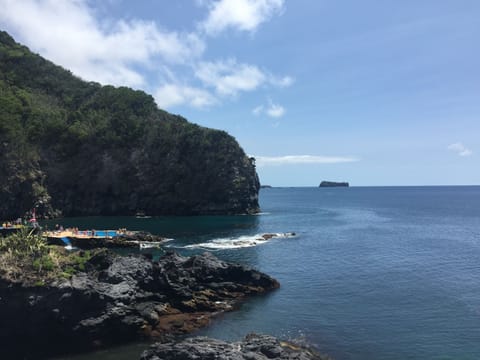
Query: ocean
[[372, 272]]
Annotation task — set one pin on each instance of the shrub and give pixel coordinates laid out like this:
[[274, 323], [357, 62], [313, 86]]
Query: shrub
[[26, 257], [24, 243], [44, 263]]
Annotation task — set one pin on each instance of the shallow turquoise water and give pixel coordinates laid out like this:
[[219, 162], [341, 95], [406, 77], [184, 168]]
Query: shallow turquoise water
[[373, 273]]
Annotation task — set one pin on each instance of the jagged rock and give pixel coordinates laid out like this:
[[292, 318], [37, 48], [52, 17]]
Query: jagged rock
[[119, 299], [253, 347]]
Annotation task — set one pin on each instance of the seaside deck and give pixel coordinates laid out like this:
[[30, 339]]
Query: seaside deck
[[7, 230], [85, 234], [89, 239]]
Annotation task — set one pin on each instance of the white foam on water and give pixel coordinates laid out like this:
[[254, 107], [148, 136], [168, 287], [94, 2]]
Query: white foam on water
[[239, 242]]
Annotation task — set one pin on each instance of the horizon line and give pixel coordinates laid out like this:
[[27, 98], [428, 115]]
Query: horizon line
[[358, 186]]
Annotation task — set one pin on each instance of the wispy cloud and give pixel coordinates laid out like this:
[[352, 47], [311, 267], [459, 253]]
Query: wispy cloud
[[301, 159], [68, 33], [258, 110], [460, 149], [229, 77], [273, 110], [285, 81], [242, 15], [139, 53], [169, 95]]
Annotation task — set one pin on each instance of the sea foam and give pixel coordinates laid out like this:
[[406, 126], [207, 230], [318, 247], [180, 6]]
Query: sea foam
[[239, 242]]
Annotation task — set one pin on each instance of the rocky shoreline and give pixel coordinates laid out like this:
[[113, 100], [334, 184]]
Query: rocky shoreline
[[120, 299], [253, 347]]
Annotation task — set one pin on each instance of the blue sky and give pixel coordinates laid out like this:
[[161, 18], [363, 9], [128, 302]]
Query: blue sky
[[372, 92]]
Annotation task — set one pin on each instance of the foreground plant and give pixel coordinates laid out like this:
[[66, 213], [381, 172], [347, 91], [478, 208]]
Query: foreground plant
[[24, 243], [26, 257]]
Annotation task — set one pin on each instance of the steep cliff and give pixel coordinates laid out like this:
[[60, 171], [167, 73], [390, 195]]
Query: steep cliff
[[80, 148]]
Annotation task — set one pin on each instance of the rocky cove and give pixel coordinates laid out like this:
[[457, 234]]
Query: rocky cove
[[119, 299], [76, 148]]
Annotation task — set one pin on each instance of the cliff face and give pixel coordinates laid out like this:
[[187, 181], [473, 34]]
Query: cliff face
[[86, 149]]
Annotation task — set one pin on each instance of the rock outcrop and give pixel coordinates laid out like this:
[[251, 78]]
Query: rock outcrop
[[119, 299], [77, 148], [253, 347]]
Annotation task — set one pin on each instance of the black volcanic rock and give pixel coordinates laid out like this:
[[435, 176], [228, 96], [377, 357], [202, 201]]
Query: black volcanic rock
[[253, 347], [119, 299], [76, 148]]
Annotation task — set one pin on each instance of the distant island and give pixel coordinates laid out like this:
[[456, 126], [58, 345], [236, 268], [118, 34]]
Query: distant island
[[333, 184], [265, 186]]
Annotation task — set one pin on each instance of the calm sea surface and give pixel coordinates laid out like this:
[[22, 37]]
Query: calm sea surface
[[373, 273]]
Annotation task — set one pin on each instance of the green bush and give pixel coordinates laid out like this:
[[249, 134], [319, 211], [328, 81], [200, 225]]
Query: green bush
[[69, 272], [44, 263], [24, 243]]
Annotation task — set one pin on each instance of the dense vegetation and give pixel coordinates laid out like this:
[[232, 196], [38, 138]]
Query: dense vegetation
[[79, 148], [26, 257]]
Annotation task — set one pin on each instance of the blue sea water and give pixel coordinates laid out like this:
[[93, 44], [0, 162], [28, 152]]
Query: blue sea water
[[372, 273]]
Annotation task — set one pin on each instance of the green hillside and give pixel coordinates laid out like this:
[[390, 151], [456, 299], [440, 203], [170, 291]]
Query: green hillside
[[78, 148]]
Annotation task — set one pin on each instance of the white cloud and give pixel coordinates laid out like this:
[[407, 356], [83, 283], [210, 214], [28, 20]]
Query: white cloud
[[275, 110], [272, 110], [69, 34], [243, 15], [460, 149], [301, 159], [258, 110], [170, 95], [141, 54], [285, 81], [229, 77]]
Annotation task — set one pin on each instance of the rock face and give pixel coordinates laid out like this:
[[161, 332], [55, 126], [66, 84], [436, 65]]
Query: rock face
[[119, 299], [253, 347], [78, 148], [333, 184]]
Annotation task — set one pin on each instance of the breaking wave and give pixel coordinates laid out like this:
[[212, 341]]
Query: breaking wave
[[239, 242]]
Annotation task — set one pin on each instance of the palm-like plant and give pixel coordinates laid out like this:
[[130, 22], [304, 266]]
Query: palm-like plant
[[24, 242]]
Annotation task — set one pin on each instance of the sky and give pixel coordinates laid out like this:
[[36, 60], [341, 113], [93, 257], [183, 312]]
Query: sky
[[373, 92]]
